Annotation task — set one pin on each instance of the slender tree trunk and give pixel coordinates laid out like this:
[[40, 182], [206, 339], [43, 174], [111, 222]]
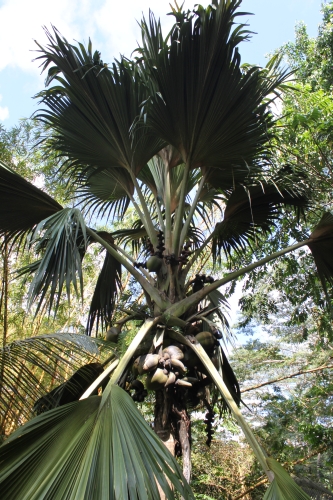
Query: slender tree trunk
[[173, 426], [162, 421], [163, 426], [184, 435]]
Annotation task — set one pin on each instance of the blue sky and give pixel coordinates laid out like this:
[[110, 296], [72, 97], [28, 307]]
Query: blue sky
[[113, 29]]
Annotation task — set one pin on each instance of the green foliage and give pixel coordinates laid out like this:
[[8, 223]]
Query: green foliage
[[162, 141], [86, 432], [312, 58]]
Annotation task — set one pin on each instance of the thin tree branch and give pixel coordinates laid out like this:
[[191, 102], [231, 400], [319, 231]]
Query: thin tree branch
[[195, 255], [159, 214], [256, 485], [296, 374]]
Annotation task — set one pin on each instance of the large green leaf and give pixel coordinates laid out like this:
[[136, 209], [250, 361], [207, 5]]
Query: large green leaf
[[252, 212], [92, 449], [105, 192], [31, 367], [62, 241], [23, 205], [283, 487], [93, 109], [105, 293], [219, 302], [136, 235], [202, 102]]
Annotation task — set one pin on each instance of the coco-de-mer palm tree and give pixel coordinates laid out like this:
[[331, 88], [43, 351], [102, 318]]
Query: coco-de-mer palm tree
[[182, 136]]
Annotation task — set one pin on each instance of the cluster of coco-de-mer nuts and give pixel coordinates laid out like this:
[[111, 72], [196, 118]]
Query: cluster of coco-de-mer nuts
[[163, 369]]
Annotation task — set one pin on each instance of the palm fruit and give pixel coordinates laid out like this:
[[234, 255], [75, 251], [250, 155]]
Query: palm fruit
[[171, 379], [156, 380], [154, 264], [183, 382], [206, 339], [112, 335], [174, 352], [135, 366], [150, 362], [176, 363], [145, 363]]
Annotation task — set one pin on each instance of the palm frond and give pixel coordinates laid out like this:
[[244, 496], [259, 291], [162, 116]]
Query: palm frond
[[23, 205], [104, 449], [72, 389], [62, 241], [92, 109], [321, 246], [104, 193], [209, 201], [219, 303], [251, 212], [31, 367], [283, 486], [229, 377], [105, 293], [136, 235], [208, 108]]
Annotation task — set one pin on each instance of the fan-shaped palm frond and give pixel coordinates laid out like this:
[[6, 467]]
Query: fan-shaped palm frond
[[62, 240], [251, 212], [136, 235], [31, 367], [321, 246], [106, 290], [207, 108], [71, 390], [104, 100], [105, 192], [209, 200], [23, 205], [104, 449], [219, 303]]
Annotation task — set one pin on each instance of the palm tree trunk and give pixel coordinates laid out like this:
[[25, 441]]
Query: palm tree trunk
[[162, 421], [162, 425]]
